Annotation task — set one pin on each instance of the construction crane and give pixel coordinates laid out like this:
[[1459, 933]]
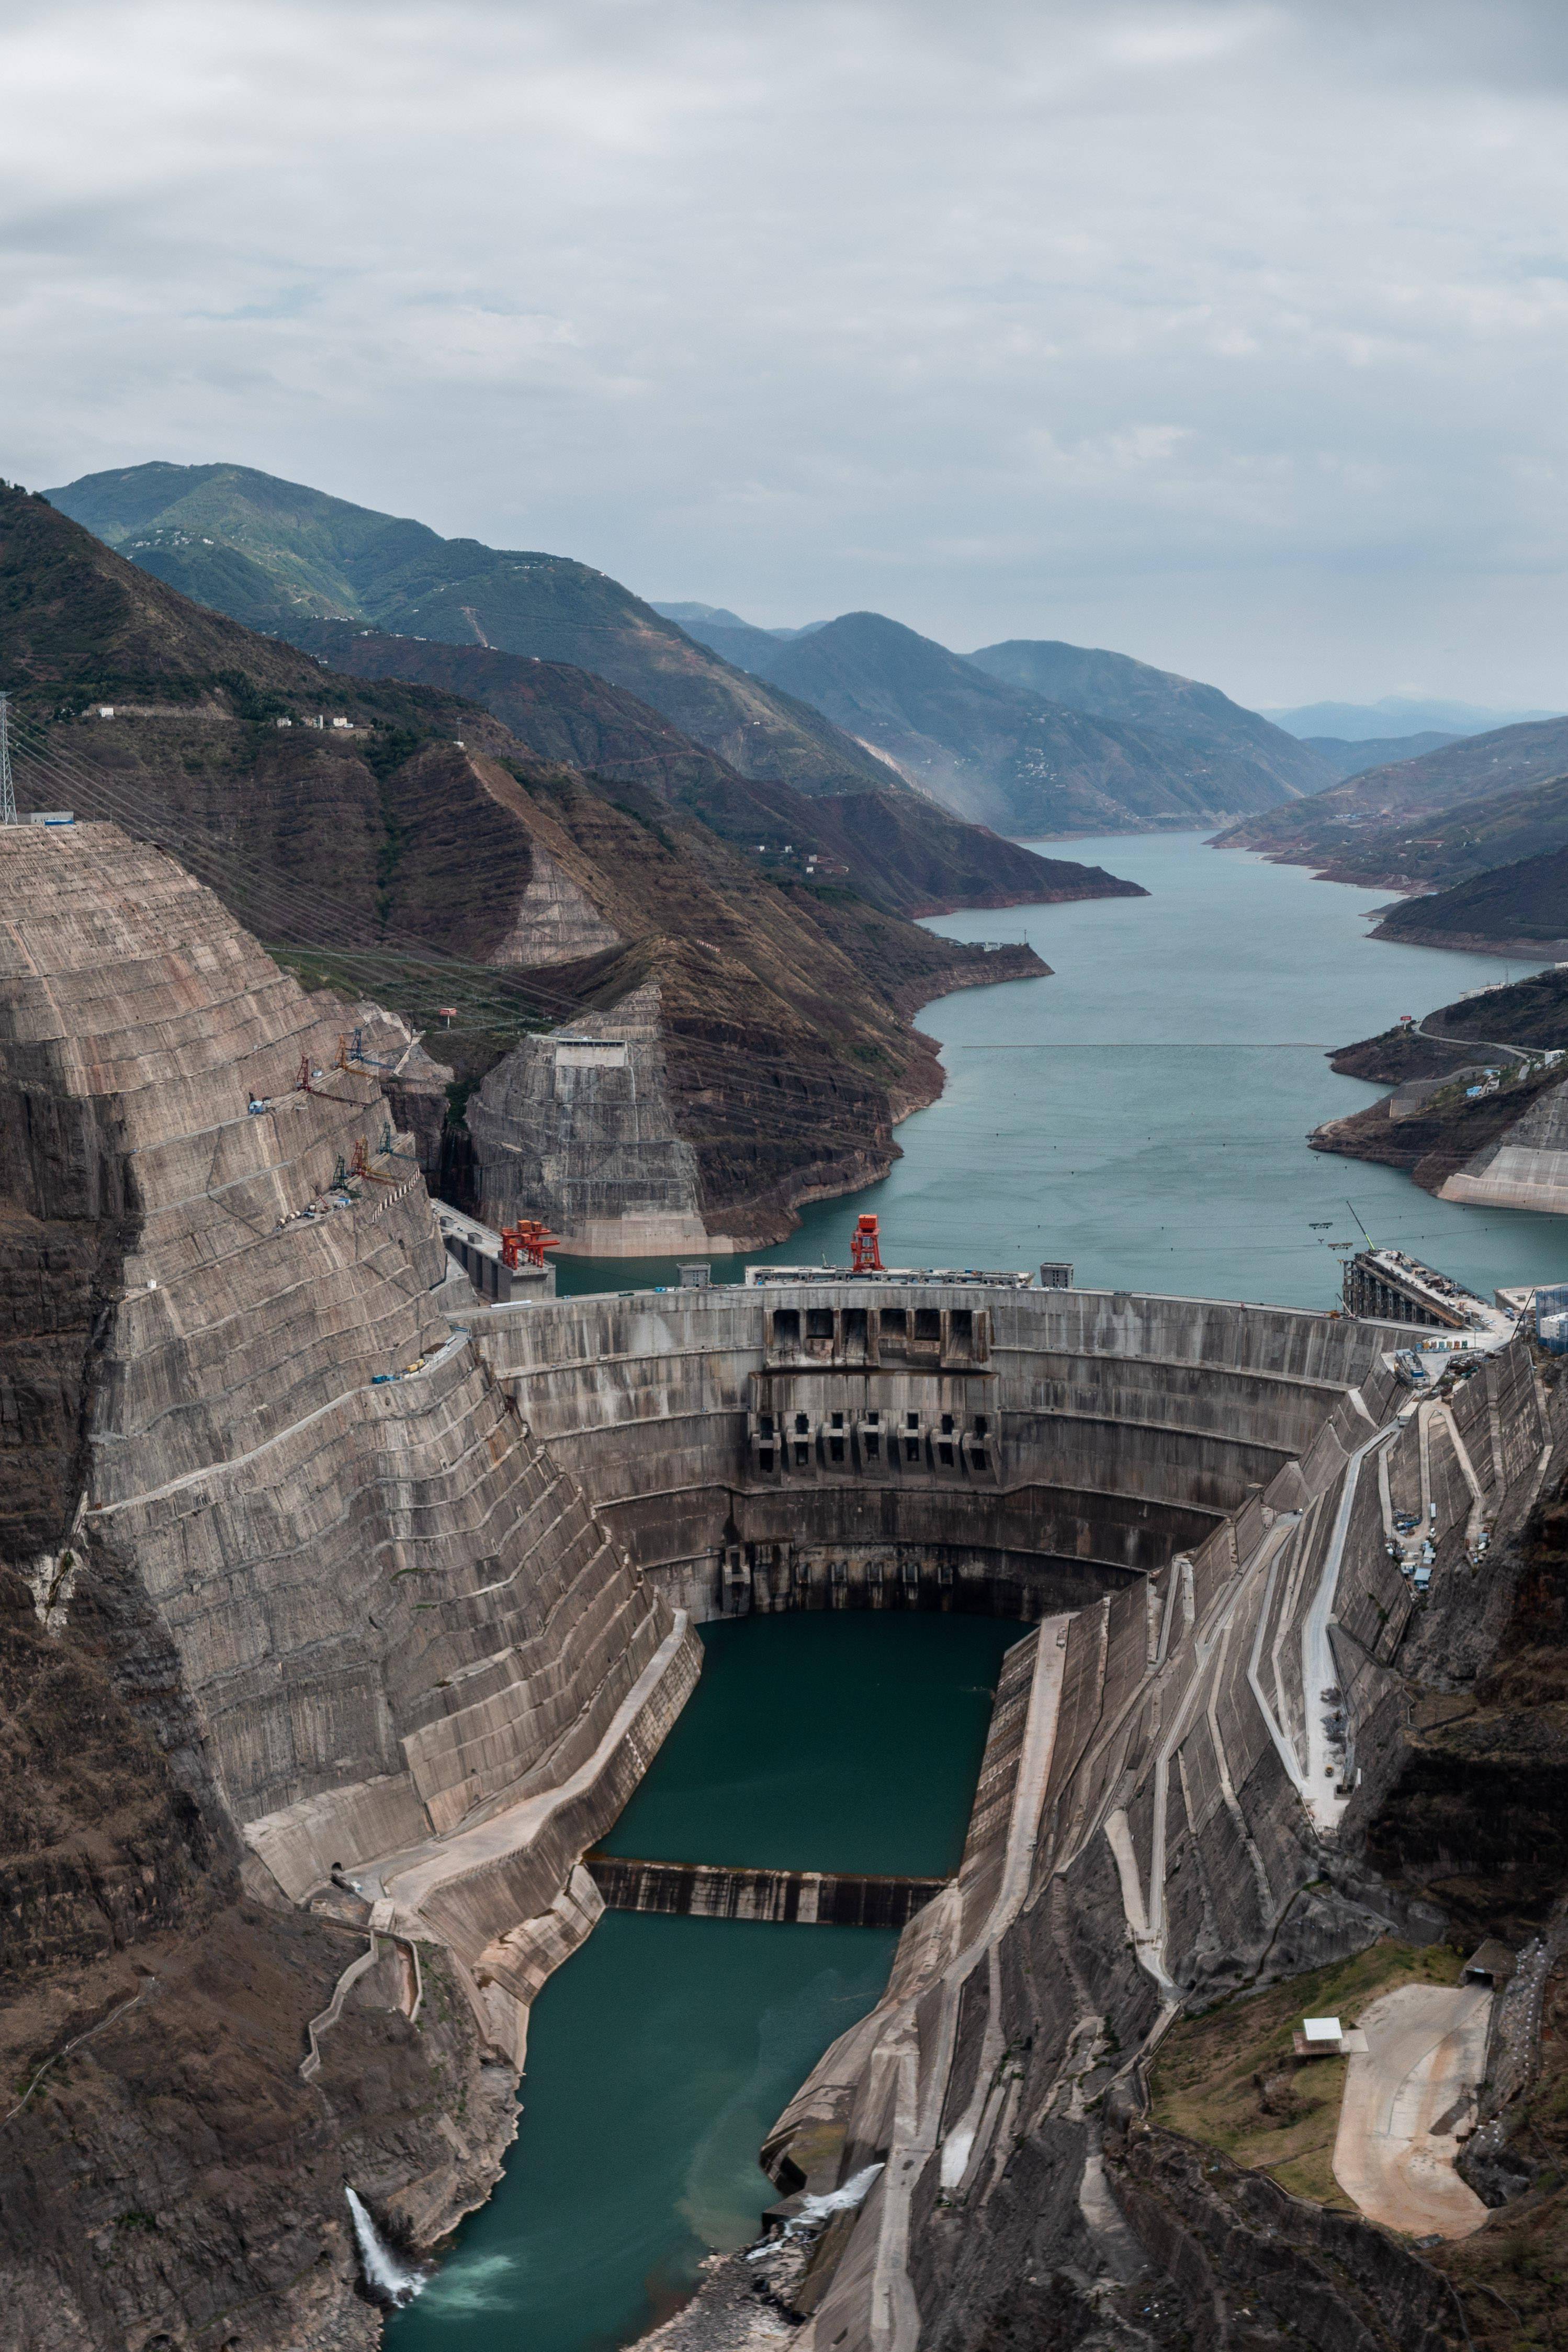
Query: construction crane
[[360, 1164], [865, 1248], [354, 1050]]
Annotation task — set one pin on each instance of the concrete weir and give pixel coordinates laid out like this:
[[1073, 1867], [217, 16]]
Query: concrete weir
[[428, 1569], [706, 1890]]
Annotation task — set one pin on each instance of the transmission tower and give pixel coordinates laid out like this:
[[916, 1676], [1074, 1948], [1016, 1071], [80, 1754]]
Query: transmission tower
[[7, 790]]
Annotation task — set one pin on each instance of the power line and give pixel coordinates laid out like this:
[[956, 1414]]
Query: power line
[[7, 788]]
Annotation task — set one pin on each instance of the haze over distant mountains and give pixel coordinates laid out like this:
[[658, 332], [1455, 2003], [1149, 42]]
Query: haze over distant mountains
[[1397, 716], [1027, 735], [1354, 759], [859, 701]]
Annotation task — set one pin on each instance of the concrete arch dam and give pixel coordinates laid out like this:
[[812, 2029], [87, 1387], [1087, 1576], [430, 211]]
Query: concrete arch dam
[[1197, 1503], [938, 1446]]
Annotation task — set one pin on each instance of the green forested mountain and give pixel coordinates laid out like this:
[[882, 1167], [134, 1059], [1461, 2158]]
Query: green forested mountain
[[276, 553], [1247, 760], [379, 826], [1032, 738], [812, 710]]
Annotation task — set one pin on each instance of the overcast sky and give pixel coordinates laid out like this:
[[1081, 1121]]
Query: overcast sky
[[1233, 336]]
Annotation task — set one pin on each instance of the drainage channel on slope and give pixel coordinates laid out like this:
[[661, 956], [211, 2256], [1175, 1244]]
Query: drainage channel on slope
[[661, 2054]]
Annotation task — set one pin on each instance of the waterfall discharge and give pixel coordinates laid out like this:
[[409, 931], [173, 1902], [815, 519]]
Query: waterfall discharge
[[814, 2211], [393, 2281]]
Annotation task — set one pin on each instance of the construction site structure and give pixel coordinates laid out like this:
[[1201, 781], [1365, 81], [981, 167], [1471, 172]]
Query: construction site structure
[[351, 1053], [865, 1247], [1388, 1286], [525, 1243], [759, 1276], [361, 1165]]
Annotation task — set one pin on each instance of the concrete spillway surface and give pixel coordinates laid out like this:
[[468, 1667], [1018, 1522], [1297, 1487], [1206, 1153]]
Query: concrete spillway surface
[[659, 2056], [1405, 2096]]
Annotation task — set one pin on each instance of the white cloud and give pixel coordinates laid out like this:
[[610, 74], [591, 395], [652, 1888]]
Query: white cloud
[[1229, 333]]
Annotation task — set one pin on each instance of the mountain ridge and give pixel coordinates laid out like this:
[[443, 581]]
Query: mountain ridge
[[987, 748], [1075, 738], [900, 851], [226, 531], [1397, 715], [1245, 751], [1519, 908], [1351, 832], [432, 831]]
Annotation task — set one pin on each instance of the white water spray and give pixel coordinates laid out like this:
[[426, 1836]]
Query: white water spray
[[812, 2211], [391, 2281]]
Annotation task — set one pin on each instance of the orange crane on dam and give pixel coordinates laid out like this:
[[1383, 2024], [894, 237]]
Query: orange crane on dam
[[865, 1247], [527, 1242]]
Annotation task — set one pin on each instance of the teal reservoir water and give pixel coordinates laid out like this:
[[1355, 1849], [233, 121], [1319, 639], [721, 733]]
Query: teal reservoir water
[[1145, 1111], [661, 2054], [825, 1739]]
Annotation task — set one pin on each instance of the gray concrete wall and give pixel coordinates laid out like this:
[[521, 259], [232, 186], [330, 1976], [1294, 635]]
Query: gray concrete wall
[[586, 1140], [388, 1604], [1193, 1815], [1115, 1433]]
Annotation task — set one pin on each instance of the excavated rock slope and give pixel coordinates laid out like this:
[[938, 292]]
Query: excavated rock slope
[[1197, 1765], [258, 1596], [1186, 1757]]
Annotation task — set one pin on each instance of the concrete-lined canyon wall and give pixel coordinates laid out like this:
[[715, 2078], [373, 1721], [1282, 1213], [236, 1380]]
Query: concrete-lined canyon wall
[[388, 1603], [578, 1128], [1182, 1804], [312, 1561], [267, 1517]]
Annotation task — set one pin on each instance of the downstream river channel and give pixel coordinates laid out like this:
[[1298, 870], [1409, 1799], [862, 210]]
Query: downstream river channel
[[1143, 1113], [661, 2054]]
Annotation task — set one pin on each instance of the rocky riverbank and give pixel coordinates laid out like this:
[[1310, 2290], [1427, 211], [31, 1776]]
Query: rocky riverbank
[[1477, 1097]]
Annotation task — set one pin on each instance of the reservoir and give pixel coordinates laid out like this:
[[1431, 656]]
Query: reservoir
[[662, 2052], [1143, 1113]]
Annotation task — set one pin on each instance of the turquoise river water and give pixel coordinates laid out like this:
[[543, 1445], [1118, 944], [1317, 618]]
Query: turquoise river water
[[1143, 1113], [661, 2054]]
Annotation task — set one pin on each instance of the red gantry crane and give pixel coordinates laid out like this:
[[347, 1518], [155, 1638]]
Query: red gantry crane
[[525, 1243]]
